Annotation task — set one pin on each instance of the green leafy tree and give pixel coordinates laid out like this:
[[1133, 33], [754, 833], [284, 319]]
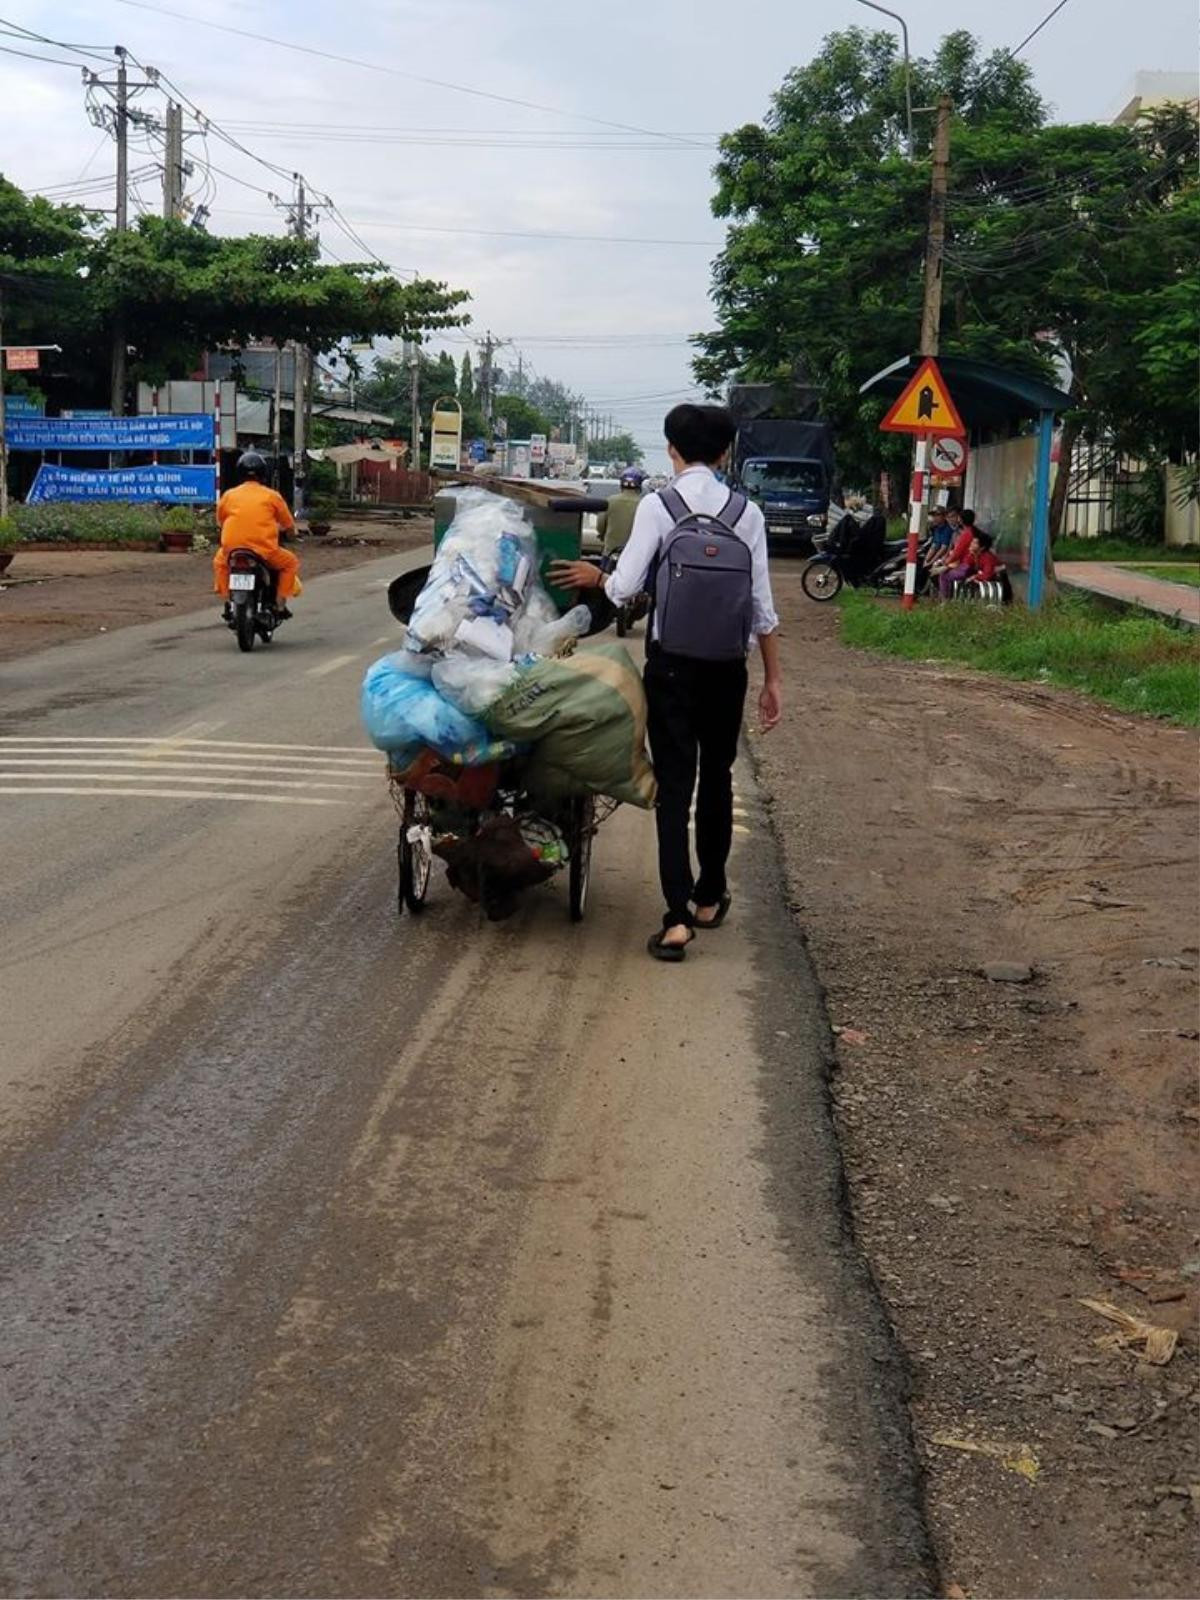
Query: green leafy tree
[[183, 291], [1058, 238], [522, 418], [618, 447]]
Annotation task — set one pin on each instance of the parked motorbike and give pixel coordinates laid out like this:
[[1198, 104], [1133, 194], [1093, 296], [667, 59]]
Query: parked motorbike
[[858, 554], [252, 611]]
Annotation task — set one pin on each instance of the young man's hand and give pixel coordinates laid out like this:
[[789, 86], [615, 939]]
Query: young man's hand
[[575, 575], [770, 706]]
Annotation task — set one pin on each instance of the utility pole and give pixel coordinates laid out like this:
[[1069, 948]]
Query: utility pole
[[173, 162], [299, 214], [414, 368], [935, 245], [116, 121], [485, 375], [277, 413], [931, 324], [121, 129]]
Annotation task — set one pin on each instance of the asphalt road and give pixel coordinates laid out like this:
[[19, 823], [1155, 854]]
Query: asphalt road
[[349, 1255]]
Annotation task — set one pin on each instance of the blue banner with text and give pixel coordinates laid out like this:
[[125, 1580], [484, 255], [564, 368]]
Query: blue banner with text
[[181, 485], [188, 432]]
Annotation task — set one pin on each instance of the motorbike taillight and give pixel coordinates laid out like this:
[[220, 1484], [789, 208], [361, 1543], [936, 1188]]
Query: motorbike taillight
[[240, 562]]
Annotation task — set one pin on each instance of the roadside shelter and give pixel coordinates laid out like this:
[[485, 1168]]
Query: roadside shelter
[[1010, 419]]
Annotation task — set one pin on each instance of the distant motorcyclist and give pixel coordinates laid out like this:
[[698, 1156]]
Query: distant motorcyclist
[[252, 517], [614, 525]]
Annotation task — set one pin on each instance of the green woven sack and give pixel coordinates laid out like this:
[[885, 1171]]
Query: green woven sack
[[585, 717]]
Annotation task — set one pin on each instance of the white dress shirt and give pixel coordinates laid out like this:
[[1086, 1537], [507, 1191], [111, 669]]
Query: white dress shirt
[[702, 491]]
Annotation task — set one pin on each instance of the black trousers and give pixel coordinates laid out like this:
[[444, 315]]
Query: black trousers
[[695, 717]]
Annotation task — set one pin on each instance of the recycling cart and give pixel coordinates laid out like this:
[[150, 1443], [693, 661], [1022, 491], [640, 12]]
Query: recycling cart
[[495, 838]]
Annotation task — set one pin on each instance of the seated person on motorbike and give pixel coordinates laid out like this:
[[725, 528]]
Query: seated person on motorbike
[[614, 525], [941, 536], [251, 517]]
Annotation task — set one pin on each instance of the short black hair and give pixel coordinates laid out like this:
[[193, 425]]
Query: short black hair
[[984, 540], [968, 517], [937, 511], [700, 433]]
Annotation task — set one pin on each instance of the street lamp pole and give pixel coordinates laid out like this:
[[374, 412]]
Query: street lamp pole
[[908, 106]]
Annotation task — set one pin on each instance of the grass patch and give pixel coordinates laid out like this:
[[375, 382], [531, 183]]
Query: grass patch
[[1188, 576], [106, 522], [1112, 547], [1133, 662]]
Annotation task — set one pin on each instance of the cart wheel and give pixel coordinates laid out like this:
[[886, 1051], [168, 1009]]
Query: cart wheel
[[414, 852], [583, 831]]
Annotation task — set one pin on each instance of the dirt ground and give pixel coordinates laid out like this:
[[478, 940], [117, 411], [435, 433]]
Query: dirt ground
[[1011, 1147], [50, 597]]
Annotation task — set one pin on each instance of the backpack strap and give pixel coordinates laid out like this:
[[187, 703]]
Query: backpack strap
[[676, 505], [732, 512]]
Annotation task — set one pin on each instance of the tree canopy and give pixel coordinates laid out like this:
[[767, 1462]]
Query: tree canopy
[[183, 291], [1066, 245]]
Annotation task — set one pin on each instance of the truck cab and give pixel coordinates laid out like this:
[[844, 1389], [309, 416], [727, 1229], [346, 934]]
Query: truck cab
[[791, 491]]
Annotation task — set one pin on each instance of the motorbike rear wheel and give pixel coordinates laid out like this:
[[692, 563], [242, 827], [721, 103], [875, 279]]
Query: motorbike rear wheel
[[246, 627], [821, 580]]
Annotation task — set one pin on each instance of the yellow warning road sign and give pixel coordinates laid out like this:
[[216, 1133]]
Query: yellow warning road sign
[[925, 405]]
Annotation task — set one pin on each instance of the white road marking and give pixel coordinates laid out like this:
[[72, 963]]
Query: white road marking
[[332, 665], [183, 761], [364, 752], [737, 828], [176, 775], [385, 638], [181, 794]]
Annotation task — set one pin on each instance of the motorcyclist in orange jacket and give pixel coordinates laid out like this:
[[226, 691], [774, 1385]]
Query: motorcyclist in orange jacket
[[252, 517]]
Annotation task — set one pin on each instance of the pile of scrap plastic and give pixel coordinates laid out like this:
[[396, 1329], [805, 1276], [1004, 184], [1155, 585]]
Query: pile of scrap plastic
[[485, 672]]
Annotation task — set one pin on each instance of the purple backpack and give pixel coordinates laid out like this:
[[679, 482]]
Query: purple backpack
[[703, 587]]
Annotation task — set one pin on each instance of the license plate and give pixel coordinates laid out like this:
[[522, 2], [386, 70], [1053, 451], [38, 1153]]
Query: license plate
[[778, 527], [241, 580]]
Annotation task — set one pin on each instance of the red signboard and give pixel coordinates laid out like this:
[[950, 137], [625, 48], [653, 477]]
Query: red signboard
[[20, 360]]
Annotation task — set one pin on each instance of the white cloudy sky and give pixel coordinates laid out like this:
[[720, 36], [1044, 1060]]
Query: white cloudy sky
[[609, 318]]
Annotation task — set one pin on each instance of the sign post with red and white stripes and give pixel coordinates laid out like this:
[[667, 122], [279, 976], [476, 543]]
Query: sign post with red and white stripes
[[924, 408], [916, 519]]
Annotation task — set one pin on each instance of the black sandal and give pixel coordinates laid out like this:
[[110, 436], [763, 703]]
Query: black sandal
[[723, 906], [668, 952]]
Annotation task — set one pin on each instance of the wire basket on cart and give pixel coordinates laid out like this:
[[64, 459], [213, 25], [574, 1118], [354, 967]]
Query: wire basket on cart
[[495, 839]]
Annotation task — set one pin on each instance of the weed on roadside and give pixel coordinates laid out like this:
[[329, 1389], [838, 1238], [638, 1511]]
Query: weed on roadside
[[1135, 663]]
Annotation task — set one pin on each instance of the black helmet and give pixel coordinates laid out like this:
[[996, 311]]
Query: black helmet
[[252, 465]]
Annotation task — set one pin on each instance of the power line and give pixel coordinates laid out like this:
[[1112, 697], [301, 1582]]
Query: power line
[[16, 31], [396, 72], [53, 61], [514, 233], [1029, 37]]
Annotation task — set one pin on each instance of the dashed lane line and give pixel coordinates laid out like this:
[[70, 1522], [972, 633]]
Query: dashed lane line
[[334, 664]]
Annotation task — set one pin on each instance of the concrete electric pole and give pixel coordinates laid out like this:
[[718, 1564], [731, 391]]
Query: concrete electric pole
[[931, 324], [121, 129], [935, 245], [173, 162]]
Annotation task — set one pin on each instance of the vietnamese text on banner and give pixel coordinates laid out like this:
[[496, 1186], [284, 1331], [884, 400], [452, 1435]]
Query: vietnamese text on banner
[[181, 485], [189, 432]]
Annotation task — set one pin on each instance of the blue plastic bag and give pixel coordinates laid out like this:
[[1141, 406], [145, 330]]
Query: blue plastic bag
[[403, 713]]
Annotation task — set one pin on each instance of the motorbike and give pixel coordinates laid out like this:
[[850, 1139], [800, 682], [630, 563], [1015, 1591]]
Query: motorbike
[[858, 554], [252, 611]]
